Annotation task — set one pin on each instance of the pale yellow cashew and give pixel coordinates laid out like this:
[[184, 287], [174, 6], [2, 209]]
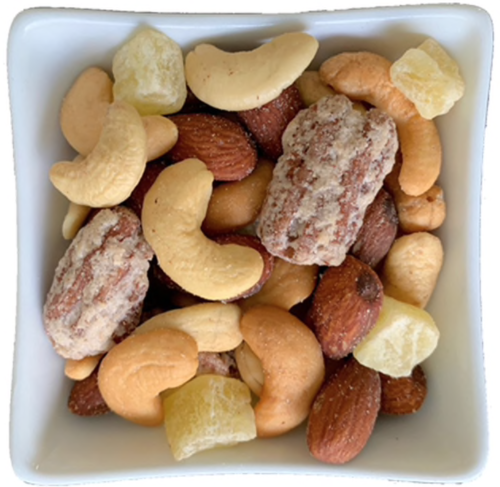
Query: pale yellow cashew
[[81, 369], [108, 175], [248, 79], [173, 211], [161, 135], [366, 76], [214, 326]]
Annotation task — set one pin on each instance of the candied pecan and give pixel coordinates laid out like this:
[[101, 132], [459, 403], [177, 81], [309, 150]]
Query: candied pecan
[[99, 285], [334, 163]]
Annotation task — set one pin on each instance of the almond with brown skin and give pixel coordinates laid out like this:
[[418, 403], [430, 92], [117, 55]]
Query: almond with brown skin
[[379, 229], [346, 305], [343, 414], [268, 122], [85, 398], [221, 144], [404, 395]]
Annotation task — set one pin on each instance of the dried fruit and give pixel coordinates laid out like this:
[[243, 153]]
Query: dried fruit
[[223, 145], [404, 395], [428, 77], [268, 122], [343, 414], [209, 411], [345, 307], [149, 73], [403, 337]]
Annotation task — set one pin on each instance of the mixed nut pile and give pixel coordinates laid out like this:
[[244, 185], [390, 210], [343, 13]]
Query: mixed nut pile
[[252, 241]]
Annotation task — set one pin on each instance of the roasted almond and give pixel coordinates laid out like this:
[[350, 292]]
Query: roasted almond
[[343, 414], [268, 122], [346, 305], [221, 144], [403, 395], [379, 229], [85, 398]]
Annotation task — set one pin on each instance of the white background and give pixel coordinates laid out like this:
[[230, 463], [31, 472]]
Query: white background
[[489, 236]]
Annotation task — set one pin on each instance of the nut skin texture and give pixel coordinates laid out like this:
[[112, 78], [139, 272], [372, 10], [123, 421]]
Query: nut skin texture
[[85, 398], [365, 76], [292, 364], [268, 122], [379, 229], [253, 243], [343, 414], [99, 285], [134, 373], [403, 395], [235, 205], [334, 162], [346, 305], [223, 145]]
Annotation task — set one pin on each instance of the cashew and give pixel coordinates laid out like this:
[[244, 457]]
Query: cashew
[[84, 109], [74, 219], [288, 285], [250, 368], [292, 363], [172, 213], [161, 135], [412, 267], [134, 373], [237, 204], [107, 176], [214, 326], [81, 369], [311, 88], [248, 79], [366, 76]]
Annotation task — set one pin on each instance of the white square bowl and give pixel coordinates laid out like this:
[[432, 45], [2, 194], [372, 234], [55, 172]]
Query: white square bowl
[[446, 441]]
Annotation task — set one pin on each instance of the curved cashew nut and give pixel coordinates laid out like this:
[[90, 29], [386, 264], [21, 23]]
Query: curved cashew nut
[[292, 363], [248, 79], [366, 76], [107, 176], [134, 373], [161, 135], [250, 368], [173, 211], [84, 109], [81, 369], [214, 326]]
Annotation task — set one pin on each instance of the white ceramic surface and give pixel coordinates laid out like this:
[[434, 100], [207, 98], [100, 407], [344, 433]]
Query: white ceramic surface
[[445, 442]]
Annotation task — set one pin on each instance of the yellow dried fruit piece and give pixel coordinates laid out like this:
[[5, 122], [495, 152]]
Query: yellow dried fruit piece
[[209, 411], [403, 337], [430, 78], [149, 73]]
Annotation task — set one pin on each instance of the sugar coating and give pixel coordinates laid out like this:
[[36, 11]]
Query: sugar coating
[[99, 285], [334, 162]]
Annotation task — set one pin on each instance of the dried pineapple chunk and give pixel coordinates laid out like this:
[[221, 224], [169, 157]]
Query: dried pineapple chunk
[[149, 73], [403, 336], [430, 78], [208, 412]]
